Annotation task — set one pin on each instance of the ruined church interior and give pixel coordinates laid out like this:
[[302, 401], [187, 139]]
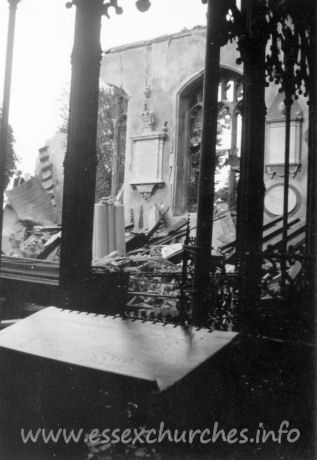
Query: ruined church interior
[[158, 265]]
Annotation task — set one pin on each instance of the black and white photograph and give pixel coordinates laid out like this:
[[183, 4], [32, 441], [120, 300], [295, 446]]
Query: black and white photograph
[[158, 207]]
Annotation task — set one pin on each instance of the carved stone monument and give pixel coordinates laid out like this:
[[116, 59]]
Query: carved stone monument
[[147, 156]]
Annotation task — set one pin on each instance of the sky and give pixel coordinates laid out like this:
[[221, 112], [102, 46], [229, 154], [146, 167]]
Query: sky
[[41, 64]]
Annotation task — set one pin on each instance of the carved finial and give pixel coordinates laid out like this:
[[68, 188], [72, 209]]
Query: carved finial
[[147, 92], [147, 118], [143, 5], [113, 4], [104, 6]]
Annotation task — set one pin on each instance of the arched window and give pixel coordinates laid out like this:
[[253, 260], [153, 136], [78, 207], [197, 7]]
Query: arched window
[[195, 127], [189, 141]]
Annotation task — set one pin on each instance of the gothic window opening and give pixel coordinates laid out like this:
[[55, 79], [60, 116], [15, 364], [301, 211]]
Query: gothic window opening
[[228, 139], [194, 149]]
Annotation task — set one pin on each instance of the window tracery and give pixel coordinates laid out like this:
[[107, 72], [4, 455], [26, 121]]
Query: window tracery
[[228, 141]]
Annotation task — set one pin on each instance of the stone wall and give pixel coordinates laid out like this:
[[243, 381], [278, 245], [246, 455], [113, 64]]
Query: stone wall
[[165, 66]]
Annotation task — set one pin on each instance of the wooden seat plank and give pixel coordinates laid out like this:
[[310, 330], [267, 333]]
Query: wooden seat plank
[[158, 353]]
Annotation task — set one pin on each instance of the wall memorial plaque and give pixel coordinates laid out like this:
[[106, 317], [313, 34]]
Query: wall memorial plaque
[[147, 162], [274, 198], [147, 158]]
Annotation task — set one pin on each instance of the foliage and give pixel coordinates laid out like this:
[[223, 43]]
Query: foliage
[[12, 158], [105, 138], [109, 107], [223, 194]]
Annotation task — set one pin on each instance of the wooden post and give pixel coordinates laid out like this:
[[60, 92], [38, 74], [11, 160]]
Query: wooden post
[[311, 211], [251, 184], [81, 160], [288, 106], [207, 163], [6, 105]]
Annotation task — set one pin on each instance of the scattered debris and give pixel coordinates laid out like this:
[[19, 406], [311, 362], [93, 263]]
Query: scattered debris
[[159, 262], [31, 203]]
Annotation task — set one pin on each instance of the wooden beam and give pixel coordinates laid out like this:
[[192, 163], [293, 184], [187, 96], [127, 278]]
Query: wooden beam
[[311, 210], [207, 163], [251, 184], [4, 130], [81, 160], [141, 352]]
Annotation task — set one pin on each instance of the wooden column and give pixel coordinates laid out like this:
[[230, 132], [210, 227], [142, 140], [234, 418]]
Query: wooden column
[[288, 107], [251, 184], [4, 131], [81, 160], [311, 213], [207, 162]]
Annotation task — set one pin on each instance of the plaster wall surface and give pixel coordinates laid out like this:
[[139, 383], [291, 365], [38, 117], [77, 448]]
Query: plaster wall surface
[[165, 65]]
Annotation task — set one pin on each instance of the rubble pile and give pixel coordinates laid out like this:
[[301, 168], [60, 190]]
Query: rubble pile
[[30, 227], [153, 258], [30, 231], [159, 287], [34, 242], [154, 282]]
